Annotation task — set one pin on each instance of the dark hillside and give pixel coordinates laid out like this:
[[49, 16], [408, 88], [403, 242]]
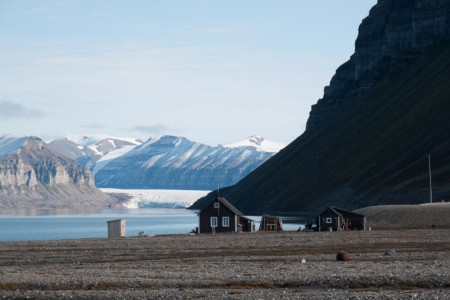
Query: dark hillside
[[368, 139], [372, 152], [395, 33]]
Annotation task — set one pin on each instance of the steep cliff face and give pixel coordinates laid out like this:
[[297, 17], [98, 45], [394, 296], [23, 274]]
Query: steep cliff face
[[395, 33], [369, 138], [32, 175]]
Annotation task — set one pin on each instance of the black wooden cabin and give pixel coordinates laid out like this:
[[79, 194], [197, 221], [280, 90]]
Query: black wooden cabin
[[334, 219], [221, 216]]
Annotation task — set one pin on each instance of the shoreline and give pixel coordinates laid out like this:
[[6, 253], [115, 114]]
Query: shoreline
[[397, 264]]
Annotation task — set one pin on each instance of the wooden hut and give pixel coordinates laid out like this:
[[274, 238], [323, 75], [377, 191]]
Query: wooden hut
[[221, 216], [334, 219], [116, 228], [271, 223]]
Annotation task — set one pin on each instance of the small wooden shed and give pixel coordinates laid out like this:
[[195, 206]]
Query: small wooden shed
[[116, 228], [221, 216], [271, 223], [334, 219]]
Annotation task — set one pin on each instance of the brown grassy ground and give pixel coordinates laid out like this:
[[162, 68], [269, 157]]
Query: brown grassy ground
[[408, 216], [232, 266]]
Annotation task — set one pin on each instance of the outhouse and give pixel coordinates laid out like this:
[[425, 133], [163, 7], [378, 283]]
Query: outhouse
[[116, 228]]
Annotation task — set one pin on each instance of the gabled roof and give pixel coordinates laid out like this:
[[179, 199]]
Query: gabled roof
[[347, 212], [342, 212], [227, 205], [270, 216], [332, 209]]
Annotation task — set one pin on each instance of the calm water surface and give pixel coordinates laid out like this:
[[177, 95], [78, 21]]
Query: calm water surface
[[57, 224], [47, 224]]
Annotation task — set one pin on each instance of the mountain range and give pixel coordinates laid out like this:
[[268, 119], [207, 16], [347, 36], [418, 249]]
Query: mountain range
[[166, 162], [94, 151], [61, 174], [368, 140]]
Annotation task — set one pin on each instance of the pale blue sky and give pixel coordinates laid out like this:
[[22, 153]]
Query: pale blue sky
[[212, 71]]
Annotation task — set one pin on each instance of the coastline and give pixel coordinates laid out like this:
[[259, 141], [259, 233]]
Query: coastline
[[57, 224], [232, 266]]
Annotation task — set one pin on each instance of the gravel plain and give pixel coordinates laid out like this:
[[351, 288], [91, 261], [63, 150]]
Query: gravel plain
[[394, 264]]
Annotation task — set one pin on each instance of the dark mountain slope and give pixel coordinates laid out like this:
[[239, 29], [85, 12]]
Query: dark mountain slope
[[373, 151], [395, 33]]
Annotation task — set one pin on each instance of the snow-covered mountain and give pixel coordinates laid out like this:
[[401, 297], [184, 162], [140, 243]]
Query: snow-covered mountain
[[10, 144], [259, 143], [171, 162], [94, 151]]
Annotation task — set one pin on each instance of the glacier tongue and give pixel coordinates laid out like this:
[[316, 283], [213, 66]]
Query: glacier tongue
[[141, 198]]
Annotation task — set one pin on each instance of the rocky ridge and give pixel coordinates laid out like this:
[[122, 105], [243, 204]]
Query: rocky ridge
[[33, 175], [395, 33]]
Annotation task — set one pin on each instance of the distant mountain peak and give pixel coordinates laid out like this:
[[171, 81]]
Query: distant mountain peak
[[92, 141], [256, 139], [258, 142], [89, 150], [10, 143]]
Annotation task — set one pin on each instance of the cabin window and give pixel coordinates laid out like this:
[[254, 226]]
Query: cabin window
[[213, 221], [216, 204], [328, 220], [225, 221]]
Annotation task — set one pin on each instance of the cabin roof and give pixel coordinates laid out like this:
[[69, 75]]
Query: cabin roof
[[342, 212], [227, 204], [270, 217]]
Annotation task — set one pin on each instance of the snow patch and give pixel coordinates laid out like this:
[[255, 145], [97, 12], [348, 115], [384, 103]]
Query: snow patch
[[151, 162], [10, 144], [259, 143], [110, 156], [91, 140]]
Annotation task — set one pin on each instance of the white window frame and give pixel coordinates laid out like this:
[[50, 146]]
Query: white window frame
[[328, 220], [225, 221], [213, 221], [216, 204]]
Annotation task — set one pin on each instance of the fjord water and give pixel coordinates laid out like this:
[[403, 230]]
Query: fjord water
[[46, 224], [59, 224]]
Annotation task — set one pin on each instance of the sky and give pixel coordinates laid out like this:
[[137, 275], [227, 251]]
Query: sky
[[212, 71]]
